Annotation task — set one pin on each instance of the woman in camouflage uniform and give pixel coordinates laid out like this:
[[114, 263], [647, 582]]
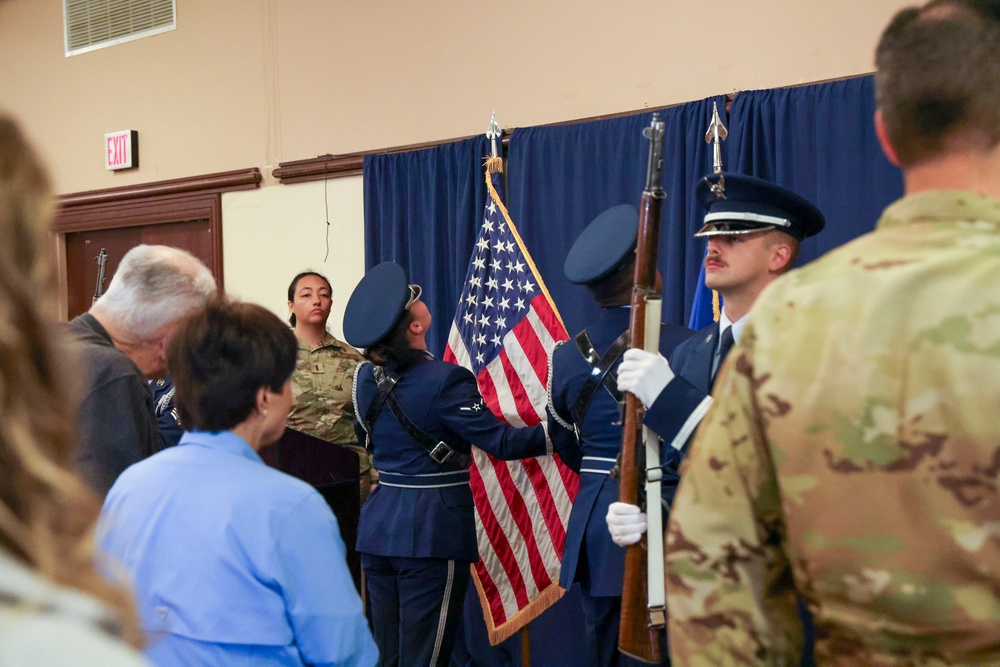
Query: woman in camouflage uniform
[[321, 383]]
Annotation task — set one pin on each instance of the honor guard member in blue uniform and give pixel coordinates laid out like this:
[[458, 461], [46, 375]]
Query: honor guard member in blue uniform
[[166, 414], [753, 229], [584, 419], [419, 418]]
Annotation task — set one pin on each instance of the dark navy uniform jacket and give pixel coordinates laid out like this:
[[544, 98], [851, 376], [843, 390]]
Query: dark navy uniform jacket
[[600, 442], [681, 398], [163, 399], [443, 400]]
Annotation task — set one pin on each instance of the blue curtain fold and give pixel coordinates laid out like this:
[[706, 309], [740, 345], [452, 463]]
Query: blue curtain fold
[[560, 178], [818, 141], [422, 210]]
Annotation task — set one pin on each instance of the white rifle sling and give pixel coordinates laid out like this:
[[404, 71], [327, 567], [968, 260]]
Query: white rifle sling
[[654, 473]]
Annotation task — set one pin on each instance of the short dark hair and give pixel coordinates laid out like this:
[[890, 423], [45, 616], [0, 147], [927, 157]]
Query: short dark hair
[[615, 289], [221, 357], [394, 350], [295, 283], [937, 78]]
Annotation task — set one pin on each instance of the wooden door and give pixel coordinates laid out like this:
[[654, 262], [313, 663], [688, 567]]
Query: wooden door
[[82, 249], [184, 213]]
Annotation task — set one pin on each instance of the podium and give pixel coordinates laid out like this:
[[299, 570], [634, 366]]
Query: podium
[[332, 470]]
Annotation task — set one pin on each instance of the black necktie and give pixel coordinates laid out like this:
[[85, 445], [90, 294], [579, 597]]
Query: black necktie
[[725, 343]]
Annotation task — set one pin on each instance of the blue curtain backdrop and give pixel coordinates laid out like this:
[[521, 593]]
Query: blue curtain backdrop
[[560, 178], [818, 141], [422, 210]]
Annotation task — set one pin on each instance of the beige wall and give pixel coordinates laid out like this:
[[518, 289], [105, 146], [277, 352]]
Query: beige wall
[[251, 83], [270, 235], [245, 83]]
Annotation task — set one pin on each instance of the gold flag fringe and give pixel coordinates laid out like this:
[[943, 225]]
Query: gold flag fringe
[[534, 609], [716, 308], [494, 165]]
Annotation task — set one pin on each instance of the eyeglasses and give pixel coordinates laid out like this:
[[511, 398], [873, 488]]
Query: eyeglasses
[[415, 291]]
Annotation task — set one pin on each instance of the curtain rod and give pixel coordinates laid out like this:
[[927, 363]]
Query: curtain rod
[[352, 164]]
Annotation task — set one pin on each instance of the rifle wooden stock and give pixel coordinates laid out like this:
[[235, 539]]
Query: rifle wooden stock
[[636, 638]]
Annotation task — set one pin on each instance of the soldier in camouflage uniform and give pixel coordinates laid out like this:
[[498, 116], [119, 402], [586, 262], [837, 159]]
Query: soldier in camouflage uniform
[[754, 229], [321, 383], [852, 452]]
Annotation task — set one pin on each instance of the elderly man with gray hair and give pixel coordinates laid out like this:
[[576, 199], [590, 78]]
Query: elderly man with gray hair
[[121, 342]]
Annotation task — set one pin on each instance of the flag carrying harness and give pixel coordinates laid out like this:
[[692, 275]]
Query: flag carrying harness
[[386, 380], [600, 372]]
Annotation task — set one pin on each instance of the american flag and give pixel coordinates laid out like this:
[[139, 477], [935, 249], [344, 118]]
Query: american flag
[[504, 331]]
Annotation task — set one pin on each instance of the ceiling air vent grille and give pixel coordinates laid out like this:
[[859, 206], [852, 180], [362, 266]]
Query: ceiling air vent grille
[[95, 24]]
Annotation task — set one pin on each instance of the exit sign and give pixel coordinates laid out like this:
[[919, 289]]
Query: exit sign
[[121, 150]]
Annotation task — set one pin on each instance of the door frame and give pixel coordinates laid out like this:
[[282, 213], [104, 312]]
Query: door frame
[[161, 202]]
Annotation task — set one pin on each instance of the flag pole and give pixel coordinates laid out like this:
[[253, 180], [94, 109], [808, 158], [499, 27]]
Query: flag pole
[[504, 339], [493, 132]]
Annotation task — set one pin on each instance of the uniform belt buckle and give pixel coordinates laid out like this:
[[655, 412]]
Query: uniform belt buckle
[[442, 453]]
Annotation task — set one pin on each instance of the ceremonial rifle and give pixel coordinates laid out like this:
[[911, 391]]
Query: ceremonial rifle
[[102, 268], [642, 626]]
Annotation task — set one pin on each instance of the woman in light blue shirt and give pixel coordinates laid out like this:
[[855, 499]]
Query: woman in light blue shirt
[[233, 562]]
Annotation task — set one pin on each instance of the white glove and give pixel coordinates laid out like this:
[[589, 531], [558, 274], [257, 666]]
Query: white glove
[[644, 374], [625, 523]]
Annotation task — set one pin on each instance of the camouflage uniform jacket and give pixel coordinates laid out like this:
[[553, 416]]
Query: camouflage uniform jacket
[[321, 394], [853, 453]]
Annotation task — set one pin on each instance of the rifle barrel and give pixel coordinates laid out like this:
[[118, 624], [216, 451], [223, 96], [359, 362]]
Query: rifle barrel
[[102, 267], [635, 637]]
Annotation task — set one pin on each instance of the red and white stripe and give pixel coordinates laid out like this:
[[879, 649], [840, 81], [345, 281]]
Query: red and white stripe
[[522, 507]]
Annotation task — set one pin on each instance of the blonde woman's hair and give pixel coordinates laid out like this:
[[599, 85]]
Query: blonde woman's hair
[[47, 513]]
